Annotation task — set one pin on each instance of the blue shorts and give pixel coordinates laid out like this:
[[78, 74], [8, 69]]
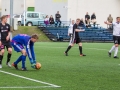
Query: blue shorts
[[17, 47]]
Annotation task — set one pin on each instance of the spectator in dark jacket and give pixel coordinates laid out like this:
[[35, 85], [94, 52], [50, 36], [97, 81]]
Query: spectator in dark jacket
[[51, 20], [87, 19], [93, 18], [57, 18]]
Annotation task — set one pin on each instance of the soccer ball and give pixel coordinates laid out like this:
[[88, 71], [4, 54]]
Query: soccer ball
[[38, 65]]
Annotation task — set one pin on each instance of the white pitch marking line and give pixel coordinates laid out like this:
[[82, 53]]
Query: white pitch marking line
[[29, 79], [28, 87]]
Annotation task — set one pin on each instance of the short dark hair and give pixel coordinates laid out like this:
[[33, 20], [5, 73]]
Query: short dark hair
[[35, 36], [117, 17]]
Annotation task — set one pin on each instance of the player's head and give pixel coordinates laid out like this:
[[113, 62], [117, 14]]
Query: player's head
[[73, 21], [57, 12], [118, 19], [77, 21], [86, 13], [34, 38], [4, 19]]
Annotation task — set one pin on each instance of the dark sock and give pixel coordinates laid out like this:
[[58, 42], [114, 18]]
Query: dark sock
[[23, 61], [69, 47], [80, 49], [8, 57], [18, 60], [1, 57]]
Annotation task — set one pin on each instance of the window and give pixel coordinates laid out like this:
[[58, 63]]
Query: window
[[43, 16], [33, 15], [17, 16]]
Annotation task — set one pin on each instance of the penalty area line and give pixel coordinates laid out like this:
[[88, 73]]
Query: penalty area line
[[30, 79], [27, 87]]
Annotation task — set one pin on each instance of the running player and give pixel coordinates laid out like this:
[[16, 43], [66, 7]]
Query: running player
[[116, 36], [75, 38], [18, 42], [5, 40]]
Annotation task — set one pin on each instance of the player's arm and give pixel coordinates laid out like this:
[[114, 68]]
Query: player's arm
[[79, 30], [0, 37], [29, 52], [8, 37], [32, 52], [108, 23], [69, 30], [30, 56]]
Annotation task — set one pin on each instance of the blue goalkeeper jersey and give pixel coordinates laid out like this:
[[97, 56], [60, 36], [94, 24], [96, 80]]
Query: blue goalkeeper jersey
[[24, 40]]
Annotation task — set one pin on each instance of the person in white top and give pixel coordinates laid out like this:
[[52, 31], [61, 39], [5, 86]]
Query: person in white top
[[70, 29], [116, 36], [46, 21]]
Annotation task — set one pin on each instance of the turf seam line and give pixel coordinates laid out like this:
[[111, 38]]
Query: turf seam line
[[30, 79]]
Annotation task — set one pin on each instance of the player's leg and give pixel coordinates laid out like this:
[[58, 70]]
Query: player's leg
[[1, 55], [24, 54], [113, 47], [19, 48], [80, 46], [116, 51], [68, 48], [9, 48], [116, 47], [71, 44]]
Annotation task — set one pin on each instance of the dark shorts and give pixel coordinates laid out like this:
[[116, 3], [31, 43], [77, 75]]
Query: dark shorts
[[17, 47], [116, 39], [77, 40], [5, 44]]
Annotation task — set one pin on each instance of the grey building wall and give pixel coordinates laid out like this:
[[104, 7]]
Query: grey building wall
[[50, 7]]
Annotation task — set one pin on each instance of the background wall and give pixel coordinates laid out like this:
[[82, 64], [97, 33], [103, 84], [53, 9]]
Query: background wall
[[102, 8], [50, 7], [18, 6]]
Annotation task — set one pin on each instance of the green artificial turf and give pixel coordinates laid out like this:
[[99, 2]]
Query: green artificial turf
[[96, 71]]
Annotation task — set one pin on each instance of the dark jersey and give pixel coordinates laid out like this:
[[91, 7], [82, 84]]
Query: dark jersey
[[4, 30], [76, 34]]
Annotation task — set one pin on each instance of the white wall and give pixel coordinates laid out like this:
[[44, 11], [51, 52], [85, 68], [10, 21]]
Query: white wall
[[30, 3], [50, 7], [18, 6], [102, 8]]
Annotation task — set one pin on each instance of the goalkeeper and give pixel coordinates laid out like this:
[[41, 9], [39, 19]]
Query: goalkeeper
[[18, 42]]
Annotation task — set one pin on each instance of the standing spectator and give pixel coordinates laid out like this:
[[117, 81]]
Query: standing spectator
[[51, 20], [57, 18], [46, 21], [93, 18], [87, 19], [110, 20]]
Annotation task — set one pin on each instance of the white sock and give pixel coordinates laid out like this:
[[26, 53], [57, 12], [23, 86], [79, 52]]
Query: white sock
[[116, 51], [113, 47]]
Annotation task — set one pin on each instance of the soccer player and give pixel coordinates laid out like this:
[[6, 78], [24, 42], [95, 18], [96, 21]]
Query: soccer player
[[18, 42], [75, 38], [5, 40], [116, 36]]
